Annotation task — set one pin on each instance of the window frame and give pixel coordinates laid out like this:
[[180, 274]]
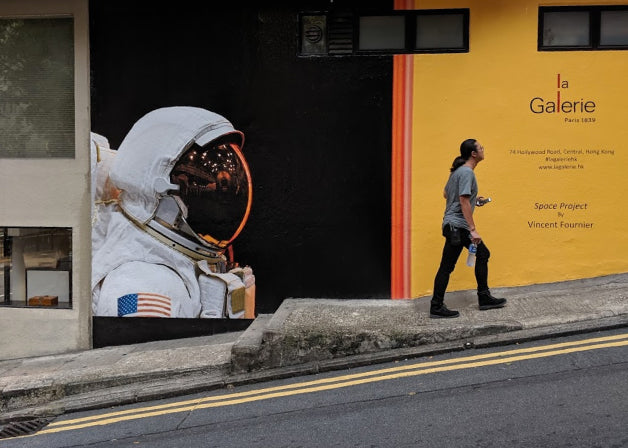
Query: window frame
[[465, 12], [410, 17], [52, 238], [356, 33], [595, 13]]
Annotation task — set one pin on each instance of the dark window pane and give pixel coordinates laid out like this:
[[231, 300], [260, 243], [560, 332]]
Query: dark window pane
[[614, 28], [566, 29], [440, 31], [382, 33]]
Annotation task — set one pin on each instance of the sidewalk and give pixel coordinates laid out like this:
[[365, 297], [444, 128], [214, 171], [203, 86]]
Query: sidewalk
[[304, 336]]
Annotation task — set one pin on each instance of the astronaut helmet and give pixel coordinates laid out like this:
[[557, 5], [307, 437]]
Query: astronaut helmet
[[184, 179], [214, 191]]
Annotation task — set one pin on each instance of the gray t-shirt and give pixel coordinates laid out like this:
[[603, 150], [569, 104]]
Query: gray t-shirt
[[461, 182]]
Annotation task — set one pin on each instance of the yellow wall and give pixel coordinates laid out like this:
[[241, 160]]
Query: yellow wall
[[485, 94]]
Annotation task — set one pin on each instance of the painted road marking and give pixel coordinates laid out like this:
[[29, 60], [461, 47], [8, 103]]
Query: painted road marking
[[325, 384]]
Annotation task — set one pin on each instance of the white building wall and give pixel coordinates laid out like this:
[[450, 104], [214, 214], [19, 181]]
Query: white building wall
[[52, 193]]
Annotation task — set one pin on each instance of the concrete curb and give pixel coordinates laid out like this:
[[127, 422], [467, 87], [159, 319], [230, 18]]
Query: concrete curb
[[316, 330], [490, 337], [245, 353], [74, 375]]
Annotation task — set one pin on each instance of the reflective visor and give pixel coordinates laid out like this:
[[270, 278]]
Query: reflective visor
[[215, 185]]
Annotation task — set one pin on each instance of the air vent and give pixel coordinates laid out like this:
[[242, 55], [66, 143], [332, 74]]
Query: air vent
[[313, 35], [340, 33]]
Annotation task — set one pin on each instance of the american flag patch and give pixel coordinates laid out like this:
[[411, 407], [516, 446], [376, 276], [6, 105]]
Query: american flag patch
[[144, 304]]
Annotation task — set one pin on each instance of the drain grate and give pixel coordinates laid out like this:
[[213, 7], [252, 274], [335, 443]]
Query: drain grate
[[22, 428]]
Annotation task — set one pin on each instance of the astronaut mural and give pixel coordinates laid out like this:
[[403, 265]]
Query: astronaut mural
[[167, 205]]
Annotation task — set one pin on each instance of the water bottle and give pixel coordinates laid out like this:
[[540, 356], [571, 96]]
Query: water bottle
[[473, 248]]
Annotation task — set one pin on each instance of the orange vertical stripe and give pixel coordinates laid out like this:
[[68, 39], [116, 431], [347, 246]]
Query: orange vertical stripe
[[397, 200], [403, 70], [401, 170], [407, 172]]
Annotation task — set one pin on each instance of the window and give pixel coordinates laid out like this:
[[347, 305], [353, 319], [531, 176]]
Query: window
[[583, 28], [382, 33], [397, 32], [566, 29], [614, 28], [442, 31], [37, 88], [36, 267]]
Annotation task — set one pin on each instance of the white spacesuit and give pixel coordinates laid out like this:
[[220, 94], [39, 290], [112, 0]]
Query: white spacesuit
[[167, 204]]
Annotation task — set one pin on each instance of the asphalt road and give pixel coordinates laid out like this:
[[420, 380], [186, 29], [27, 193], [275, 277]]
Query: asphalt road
[[567, 392]]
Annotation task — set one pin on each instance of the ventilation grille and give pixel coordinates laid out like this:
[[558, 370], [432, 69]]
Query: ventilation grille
[[340, 33]]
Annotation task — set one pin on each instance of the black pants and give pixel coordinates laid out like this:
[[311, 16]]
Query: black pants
[[451, 253]]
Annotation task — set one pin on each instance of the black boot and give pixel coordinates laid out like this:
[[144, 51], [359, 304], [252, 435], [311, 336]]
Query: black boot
[[438, 310], [488, 302]]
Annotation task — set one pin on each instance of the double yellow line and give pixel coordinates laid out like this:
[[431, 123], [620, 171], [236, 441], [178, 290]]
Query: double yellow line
[[415, 369]]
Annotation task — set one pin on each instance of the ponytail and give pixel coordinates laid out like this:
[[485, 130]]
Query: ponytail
[[457, 163]]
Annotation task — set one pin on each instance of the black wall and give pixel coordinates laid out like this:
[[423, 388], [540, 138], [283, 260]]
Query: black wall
[[318, 131]]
